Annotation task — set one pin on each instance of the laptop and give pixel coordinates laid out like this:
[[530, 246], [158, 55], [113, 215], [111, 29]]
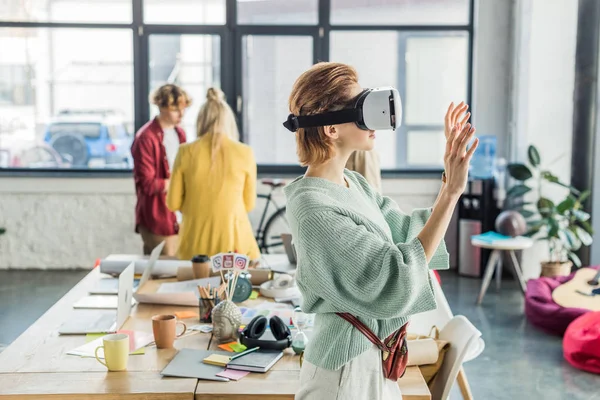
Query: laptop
[[82, 322], [109, 286], [154, 255], [290, 250]]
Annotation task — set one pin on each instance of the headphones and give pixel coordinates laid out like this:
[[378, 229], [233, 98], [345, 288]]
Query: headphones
[[250, 336]]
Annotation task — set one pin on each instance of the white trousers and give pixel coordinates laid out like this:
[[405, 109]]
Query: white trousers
[[360, 379]]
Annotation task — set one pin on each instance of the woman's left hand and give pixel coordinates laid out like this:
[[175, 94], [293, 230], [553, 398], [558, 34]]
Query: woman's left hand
[[453, 117]]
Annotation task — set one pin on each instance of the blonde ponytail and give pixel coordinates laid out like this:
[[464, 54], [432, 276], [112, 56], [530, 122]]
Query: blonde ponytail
[[217, 120]]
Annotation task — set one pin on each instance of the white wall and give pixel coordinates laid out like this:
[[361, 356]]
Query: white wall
[[491, 72], [543, 94], [69, 223]]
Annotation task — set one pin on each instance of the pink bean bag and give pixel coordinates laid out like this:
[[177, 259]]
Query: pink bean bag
[[581, 344], [543, 312]]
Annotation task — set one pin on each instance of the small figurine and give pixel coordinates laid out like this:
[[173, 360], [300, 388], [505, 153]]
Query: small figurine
[[227, 319]]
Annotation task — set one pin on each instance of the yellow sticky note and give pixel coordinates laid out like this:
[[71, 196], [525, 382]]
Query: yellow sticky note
[[217, 359], [138, 352], [90, 337], [238, 348], [254, 295]]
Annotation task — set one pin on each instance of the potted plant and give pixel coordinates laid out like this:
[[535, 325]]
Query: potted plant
[[564, 225]]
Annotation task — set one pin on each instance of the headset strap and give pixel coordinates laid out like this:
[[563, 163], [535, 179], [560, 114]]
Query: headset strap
[[331, 118]]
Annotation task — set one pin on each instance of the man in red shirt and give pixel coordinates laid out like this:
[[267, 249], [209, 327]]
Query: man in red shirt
[[154, 149]]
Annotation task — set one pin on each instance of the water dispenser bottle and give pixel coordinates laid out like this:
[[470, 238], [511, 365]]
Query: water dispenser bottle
[[484, 159]]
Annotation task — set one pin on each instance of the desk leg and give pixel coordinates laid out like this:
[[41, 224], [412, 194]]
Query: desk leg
[[489, 271], [517, 269]]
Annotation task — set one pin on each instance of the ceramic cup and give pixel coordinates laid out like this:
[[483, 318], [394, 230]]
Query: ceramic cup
[[116, 351], [164, 328]]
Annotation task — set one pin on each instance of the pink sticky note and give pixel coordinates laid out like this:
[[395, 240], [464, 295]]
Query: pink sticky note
[[233, 374]]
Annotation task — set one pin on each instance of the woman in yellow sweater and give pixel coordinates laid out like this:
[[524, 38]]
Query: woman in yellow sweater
[[213, 184]]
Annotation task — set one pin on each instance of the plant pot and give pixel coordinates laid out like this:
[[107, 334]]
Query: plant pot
[[551, 269]]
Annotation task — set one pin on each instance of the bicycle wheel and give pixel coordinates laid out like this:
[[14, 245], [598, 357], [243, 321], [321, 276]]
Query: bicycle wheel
[[276, 225]]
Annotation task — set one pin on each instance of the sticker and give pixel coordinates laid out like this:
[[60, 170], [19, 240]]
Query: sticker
[[227, 261], [241, 262], [217, 262]]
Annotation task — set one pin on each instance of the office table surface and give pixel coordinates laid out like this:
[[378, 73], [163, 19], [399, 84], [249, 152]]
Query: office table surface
[[36, 364]]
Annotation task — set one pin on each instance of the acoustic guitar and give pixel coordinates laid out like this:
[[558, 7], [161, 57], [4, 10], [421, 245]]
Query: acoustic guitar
[[583, 291]]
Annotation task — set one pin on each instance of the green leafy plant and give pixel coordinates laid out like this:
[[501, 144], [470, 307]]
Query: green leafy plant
[[2, 231], [565, 225]]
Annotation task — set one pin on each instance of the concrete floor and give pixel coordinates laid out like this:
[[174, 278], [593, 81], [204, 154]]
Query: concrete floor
[[518, 363]]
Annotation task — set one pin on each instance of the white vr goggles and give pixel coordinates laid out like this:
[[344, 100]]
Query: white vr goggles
[[373, 109]]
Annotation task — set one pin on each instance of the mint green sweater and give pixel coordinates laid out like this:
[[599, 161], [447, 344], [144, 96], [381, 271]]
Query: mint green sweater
[[357, 253]]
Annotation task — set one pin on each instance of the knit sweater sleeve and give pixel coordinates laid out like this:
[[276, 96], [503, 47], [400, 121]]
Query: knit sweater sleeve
[[355, 270], [405, 227]]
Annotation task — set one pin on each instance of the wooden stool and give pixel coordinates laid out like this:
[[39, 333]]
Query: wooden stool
[[495, 261]]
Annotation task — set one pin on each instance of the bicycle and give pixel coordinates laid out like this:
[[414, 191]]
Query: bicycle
[[269, 239]]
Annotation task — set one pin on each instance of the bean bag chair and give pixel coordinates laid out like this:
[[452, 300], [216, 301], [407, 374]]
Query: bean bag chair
[[581, 344], [543, 312]]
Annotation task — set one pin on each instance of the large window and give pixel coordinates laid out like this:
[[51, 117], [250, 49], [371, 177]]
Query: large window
[[76, 75]]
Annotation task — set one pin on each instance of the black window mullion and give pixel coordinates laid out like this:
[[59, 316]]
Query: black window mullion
[[324, 30], [140, 65]]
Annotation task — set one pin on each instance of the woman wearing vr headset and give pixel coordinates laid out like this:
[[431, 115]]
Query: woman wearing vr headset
[[357, 252]]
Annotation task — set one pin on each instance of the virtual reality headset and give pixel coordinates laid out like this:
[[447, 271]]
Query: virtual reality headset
[[373, 109]]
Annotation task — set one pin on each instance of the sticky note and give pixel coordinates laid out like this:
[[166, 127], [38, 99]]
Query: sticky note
[[139, 352], [233, 374], [217, 359], [238, 348], [254, 295], [227, 346], [90, 337], [186, 314]]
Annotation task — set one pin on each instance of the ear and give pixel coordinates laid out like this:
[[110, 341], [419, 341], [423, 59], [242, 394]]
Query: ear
[[331, 131]]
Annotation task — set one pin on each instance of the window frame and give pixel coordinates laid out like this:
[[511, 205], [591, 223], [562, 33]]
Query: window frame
[[231, 35]]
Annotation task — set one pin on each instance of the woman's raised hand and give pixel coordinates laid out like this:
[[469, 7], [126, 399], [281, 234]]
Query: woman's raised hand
[[454, 116], [457, 157]]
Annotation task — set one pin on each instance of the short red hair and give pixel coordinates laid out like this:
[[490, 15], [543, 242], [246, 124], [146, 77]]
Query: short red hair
[[326, 86]]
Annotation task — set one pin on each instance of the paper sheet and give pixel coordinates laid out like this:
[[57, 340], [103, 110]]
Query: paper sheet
[[422, 351], [233, 374], [137, 342], [188, 286]]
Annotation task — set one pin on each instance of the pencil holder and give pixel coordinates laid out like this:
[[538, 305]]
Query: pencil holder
[[205, 310]]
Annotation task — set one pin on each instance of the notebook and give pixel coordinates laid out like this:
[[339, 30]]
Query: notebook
[[259, 361], [188, 364]]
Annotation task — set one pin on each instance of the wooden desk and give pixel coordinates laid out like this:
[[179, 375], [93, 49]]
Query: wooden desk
[[36, 365]]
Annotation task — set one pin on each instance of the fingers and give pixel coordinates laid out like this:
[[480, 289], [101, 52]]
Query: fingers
[[472, 149], [450, 140], [448, 117], [466, 118], [467, 135], [458, 138], [461, 140], [461, 108]]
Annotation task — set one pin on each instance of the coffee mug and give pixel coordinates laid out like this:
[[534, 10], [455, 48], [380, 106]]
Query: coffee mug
[[164, 328], [116, 351]]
